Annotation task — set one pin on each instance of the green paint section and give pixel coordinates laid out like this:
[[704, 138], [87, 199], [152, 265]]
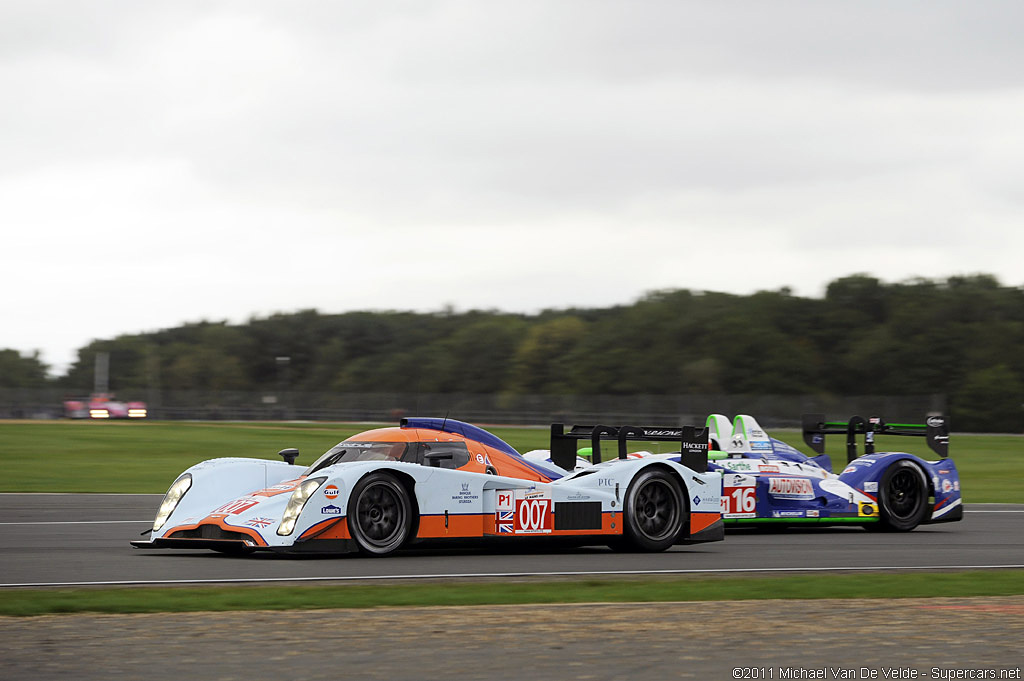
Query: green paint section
[[791, 521], [916, 584], [844, 424]]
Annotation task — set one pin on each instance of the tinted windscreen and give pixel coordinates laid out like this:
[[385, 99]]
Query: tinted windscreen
[[359, 451]]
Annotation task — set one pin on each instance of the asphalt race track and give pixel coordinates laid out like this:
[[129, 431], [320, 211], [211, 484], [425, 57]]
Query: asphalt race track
[[79, 539]]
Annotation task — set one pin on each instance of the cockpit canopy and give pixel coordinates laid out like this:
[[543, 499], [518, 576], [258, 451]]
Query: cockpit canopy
[[442, 454]]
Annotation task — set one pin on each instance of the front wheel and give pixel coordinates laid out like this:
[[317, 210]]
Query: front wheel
[[902, 497], [654, 512], [380, 514]]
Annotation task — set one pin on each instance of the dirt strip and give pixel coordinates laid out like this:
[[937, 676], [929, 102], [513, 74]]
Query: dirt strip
[[901, 638]]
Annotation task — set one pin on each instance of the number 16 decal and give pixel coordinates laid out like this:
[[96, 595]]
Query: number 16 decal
[[739, 502]]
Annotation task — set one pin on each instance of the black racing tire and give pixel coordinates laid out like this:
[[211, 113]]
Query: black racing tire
[[380, 514], [654, 513], [902, 497]]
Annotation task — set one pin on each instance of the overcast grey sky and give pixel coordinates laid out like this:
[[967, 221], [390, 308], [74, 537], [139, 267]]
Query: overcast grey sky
[[165, 162]]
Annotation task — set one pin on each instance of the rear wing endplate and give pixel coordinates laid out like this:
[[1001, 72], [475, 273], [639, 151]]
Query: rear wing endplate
[[693, 442], [815, 427]]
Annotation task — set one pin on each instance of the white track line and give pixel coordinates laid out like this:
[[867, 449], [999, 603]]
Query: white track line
[[80, 494], [149, 520], [478, 575]]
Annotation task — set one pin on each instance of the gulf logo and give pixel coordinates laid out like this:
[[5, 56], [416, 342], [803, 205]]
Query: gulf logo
[[331, 492]]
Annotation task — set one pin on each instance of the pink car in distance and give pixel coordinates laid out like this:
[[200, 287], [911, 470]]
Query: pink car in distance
[[103, 406]]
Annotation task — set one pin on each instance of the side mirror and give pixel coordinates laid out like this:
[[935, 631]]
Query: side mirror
[[289, 455]]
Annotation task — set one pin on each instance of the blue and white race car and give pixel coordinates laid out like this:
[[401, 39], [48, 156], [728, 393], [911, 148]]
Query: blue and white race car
[[765, 480]]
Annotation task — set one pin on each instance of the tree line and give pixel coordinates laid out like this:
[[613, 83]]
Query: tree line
[[961, 336]]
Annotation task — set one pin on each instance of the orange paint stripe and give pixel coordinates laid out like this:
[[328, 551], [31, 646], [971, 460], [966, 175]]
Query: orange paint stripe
[[702, 521], [333, 528], [461, 525], [480, 524], [218, 521]]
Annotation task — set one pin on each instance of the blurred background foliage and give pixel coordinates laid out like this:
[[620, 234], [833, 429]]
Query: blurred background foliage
[[962, 337]]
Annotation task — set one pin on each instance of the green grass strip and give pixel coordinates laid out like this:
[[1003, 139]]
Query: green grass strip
[[29, 602]]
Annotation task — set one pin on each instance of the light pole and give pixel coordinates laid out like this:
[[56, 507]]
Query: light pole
[[283, 366]]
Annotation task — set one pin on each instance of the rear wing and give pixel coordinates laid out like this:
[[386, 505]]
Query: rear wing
[[935, 429], [693, 442]]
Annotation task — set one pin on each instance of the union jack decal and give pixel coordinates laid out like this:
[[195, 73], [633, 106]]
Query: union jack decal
[[260, 522], [505, 522]]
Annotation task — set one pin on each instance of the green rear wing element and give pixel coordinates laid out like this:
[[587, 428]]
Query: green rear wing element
[[815, 427], [693, 442]]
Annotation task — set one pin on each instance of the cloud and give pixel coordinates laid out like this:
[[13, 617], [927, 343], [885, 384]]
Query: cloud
[[217, 160]]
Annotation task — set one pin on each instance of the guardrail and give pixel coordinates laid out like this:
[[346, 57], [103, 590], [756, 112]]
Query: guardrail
[[772, 411]]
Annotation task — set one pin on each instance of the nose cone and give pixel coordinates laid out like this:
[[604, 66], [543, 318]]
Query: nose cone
[[259, 511]]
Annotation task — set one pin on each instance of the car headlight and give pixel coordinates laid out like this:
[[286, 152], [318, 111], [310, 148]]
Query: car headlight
[[298, 500], [171, 499]]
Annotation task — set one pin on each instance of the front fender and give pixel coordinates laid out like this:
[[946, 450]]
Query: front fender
[[865, 474], [217, 481]]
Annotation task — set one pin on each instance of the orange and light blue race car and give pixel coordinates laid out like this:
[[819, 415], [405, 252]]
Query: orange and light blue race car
[[436, 480]]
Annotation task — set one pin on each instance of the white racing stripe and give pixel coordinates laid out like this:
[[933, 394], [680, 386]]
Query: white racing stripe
[[476, 575]]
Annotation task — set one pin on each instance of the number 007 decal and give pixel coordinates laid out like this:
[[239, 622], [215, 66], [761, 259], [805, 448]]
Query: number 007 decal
[[524, 511], [533, 515]]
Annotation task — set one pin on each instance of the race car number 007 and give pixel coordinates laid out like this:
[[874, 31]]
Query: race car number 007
[[739, 500], [533, 515]]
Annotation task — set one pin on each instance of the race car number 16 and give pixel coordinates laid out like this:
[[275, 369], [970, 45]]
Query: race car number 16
[[738, 500], [533, 515]]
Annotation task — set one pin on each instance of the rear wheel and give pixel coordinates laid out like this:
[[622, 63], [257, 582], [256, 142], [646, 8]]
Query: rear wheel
[[380, 514], [902, 497], [654, 512]]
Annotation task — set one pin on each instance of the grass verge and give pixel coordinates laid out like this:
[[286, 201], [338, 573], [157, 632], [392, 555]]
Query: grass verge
[[147, 456], [29, 602]]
